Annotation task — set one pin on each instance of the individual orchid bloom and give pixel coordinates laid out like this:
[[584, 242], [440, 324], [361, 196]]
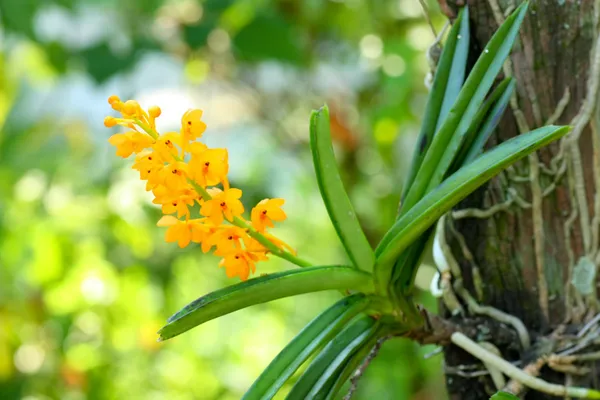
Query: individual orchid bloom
[[192, 126], [224, 204], [239, 263], [166, 146], [130, 142], [254, 246], [227, 239], [174, 202], [175, 176], [209, 167], [179, 206], [182, 232], [267, 211], [208, 230], [148, 164]]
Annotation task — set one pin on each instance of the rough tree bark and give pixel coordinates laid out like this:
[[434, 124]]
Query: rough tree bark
[[539, 229]]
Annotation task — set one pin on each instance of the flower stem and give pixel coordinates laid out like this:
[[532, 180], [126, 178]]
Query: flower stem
[[146, 128], [200, 190], [276, 251]]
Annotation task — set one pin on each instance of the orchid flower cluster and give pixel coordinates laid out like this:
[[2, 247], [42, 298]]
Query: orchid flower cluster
[[181, 171]]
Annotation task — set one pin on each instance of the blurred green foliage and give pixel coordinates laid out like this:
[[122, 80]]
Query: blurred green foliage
[[85, 277]]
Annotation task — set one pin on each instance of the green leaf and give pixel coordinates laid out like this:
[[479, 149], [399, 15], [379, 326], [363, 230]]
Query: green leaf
[[318, 332], [352, 364], [426, 212], [448, 138], [458, 66], [263, 289], [332, 190], [483, 124], [318, 378], [448, 80], [475, 146], [504, 396]]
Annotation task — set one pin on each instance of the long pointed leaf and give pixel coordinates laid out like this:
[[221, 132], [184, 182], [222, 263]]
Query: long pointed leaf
[[352, 365], [424, 214], [318, 332], [264, 289], [458, 67], [489, 124], [447, 140], [448, 80], [483, 125], [472, 135], [334, 195], [321, 373]]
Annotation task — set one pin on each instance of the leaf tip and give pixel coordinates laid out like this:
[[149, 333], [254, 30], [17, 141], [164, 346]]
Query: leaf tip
[[319, 113], [524, 6], [465, 11], [160, 332], [323, 110]]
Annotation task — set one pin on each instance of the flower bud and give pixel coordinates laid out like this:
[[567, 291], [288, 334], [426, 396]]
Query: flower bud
[[131, 107], [109, 122], [154, 112]]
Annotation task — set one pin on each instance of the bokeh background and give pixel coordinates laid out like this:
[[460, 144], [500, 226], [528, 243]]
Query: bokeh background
[[86, 279]]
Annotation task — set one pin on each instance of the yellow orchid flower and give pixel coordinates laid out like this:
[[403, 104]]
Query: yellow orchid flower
[[209, 167], [224, 204], [227, 239], [182, 232], [267, 211], [130, 142], [239, 263], [180, 171]]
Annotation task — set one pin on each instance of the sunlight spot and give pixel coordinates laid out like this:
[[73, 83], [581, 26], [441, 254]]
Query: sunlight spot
[[31, 186], [420, 37], [408, 9], [386, 130], [94, 289], [197, 70], [394, 65], [90, 323], [58, 198], [218, 41], [29, 358], [371, 46]]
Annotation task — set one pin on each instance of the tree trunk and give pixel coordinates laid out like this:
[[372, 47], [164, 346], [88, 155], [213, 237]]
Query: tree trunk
[[535, 253]]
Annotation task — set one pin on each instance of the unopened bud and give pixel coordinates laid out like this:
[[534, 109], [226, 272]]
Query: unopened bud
[[131, 107], [154, 111], [109, 122]]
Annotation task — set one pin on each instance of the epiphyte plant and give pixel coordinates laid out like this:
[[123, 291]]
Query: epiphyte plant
[[378, 284]]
